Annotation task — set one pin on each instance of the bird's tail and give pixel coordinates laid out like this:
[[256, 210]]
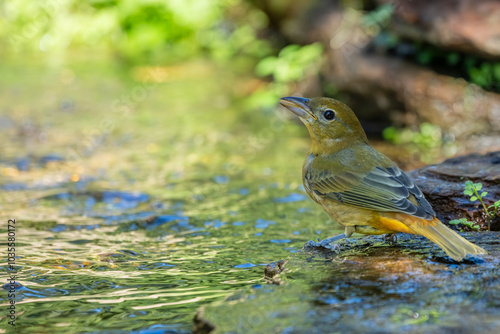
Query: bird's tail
[[450, 241]]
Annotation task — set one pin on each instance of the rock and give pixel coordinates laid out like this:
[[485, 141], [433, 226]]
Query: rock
[[443, 186], [274, 268], [372, 286], [412, 94], [462, 25], [201, 325], [390, 89]]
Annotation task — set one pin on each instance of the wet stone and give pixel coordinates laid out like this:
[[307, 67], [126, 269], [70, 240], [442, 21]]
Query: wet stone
[[370, 286], [201, 325], [274, 268], [443, 185]]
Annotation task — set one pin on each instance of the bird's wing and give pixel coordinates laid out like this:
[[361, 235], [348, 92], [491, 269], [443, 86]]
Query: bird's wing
[[381, 189]]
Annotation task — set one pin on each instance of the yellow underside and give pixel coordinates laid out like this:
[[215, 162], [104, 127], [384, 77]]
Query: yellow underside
[[393, 225]]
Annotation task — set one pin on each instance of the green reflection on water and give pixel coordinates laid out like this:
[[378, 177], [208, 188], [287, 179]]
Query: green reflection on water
[[209, 191]]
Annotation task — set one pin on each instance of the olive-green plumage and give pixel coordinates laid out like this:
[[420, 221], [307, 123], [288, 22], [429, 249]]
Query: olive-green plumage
[[358, 186]]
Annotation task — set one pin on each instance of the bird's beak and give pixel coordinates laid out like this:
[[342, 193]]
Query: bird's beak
[[299, 106]]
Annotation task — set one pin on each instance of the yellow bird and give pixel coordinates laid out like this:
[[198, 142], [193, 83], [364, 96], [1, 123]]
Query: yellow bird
[[361, 188]]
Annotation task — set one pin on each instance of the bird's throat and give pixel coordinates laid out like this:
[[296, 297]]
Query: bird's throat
[[327, 146], [326, 143]]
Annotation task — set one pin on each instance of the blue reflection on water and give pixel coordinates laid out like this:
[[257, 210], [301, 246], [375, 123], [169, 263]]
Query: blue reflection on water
[[261, 223], [245, 265], [293, 197], [280, 241]]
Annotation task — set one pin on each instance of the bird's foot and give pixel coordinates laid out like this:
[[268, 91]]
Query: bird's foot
[[335, 247], [327, 243], [391, 238], [323, 244]]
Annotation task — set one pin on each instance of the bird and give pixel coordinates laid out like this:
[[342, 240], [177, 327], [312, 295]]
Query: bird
[[359, 187]]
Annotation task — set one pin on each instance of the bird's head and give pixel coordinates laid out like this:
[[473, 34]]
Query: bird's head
[[332, 125]]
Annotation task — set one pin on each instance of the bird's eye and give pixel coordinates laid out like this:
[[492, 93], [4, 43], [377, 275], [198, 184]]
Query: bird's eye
[[329, 114]]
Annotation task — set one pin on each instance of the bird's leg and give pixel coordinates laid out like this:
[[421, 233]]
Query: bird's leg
[[392, 238]]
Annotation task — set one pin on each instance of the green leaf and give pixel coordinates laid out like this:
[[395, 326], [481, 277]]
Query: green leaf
[[390, 134], [289, 49], [478, 186], [468, 223], [469, 186], [457, 221], [453, 58], [470, 62], [473, 198], [480, 77], [484, 193], [468, 192], [425, 57], [266, 66], [496, 204], [496, 71]]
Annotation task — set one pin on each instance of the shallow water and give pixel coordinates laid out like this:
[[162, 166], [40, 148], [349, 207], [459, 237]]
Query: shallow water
[[371, 286], [141, 195]]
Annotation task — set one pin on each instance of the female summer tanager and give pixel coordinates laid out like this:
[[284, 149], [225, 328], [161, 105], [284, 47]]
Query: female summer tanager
[[361, 188]]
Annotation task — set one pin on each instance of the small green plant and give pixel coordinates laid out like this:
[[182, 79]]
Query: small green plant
[[465, 222], [473, 190]]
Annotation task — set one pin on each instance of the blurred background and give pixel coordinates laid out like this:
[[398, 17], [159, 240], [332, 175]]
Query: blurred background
[[416, 79], [131, 126]]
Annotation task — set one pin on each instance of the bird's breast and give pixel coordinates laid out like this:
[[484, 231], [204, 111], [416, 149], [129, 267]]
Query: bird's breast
[[346, 215]]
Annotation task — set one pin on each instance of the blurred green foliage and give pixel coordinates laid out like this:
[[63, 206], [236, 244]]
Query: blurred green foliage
[[137, 31], [484, 73], [428, 140], [380, 17], [227, 32], [427, 136], [292, 64]]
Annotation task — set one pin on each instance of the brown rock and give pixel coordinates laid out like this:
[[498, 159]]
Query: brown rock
[[201, 325], [443, 186], [453, 104], [274, 268], [462, 25], [411, 94]]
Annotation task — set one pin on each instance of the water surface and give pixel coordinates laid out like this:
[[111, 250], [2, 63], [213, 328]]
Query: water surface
[[142, 194]]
